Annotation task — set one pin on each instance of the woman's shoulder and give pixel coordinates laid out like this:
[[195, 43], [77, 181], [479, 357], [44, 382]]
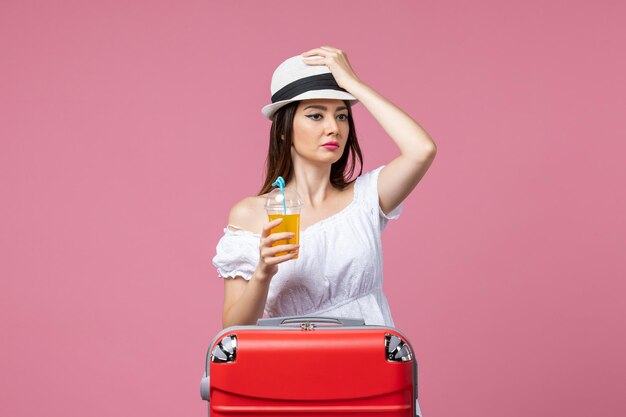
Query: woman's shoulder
[[248, 214], [367, 181]]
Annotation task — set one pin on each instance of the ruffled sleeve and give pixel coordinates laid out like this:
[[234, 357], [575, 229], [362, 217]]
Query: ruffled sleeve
[[237, 254], [368, 194]]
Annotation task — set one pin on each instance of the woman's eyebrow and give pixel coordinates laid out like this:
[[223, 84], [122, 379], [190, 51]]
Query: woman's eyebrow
[[320, 107]]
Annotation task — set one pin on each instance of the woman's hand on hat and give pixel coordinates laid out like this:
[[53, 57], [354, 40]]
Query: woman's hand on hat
[[336, 60]]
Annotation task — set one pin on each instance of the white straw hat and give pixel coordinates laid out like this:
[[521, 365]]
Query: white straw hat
[[294, 80]]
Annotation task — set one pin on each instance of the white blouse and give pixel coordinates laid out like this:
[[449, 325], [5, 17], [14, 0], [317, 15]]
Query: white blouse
[[339, 270]]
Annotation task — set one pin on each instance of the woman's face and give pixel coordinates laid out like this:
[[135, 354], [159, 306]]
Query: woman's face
[[320, 130]]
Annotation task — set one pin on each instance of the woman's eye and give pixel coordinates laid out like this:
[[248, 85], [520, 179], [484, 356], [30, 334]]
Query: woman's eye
[[315, 116], [343, 117]]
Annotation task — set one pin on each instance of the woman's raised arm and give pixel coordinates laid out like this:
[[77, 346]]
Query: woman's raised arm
[[417, 150]]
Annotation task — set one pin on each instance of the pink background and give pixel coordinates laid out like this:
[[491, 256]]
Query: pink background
[[128, 129]]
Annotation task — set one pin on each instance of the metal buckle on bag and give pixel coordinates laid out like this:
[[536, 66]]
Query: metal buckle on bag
[[397, 349], [225, 350], [307, 326]]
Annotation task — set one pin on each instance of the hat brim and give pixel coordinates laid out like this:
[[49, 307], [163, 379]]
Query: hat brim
[[269, 110]]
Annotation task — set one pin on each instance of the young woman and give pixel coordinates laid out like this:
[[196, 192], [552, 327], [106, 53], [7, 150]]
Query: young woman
[[313, 146]]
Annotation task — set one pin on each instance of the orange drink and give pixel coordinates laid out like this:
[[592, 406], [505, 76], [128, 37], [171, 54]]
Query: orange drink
[[290, 223], [286, 204]]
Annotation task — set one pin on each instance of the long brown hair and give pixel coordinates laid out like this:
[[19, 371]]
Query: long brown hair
[[279, 162]]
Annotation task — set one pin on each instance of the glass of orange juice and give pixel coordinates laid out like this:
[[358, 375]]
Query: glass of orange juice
[[286, 204]]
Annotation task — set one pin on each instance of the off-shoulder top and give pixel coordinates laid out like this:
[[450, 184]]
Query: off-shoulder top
[[339, 270]]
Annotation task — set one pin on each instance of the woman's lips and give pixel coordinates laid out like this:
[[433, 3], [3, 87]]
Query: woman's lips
[[331, 146]]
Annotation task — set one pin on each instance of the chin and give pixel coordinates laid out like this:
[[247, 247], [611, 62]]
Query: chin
[[332, 160]]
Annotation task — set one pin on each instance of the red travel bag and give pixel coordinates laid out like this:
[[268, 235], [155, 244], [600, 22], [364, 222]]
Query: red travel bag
[[313, 366]]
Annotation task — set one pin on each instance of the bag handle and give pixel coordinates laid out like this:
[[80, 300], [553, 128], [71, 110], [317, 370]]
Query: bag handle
[[280, 321]]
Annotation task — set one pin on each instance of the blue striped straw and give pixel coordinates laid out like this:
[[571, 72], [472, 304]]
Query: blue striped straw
[[280, 182]]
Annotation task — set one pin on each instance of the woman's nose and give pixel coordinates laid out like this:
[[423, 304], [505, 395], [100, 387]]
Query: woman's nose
[[332, 127]]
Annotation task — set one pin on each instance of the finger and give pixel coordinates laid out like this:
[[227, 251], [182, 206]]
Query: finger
[[315, 56], [275, 237], [275, 250], [268, 255], [267, 227], [328, 56], [272, 251], [315, 51], [314, 61], [333, 52], [282, 258], [317, 62]]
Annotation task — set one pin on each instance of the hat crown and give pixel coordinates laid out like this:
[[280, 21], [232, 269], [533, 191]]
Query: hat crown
[[295, 80], [293, 69]]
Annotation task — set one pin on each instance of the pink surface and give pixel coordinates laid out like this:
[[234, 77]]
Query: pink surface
[[128, 129]]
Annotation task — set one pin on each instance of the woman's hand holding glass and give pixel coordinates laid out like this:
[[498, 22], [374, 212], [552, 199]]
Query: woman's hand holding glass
[[268, 259]]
